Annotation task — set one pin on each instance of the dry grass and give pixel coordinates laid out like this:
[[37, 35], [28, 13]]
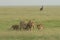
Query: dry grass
[[50, 17]]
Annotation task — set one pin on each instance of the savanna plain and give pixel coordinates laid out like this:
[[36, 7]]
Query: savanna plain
[[49, 17]]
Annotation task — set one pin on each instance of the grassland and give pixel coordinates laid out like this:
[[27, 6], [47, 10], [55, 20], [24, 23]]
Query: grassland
[[49, 17]]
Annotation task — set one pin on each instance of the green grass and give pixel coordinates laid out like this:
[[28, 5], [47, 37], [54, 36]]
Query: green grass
[[46, 34], [49, 17]]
